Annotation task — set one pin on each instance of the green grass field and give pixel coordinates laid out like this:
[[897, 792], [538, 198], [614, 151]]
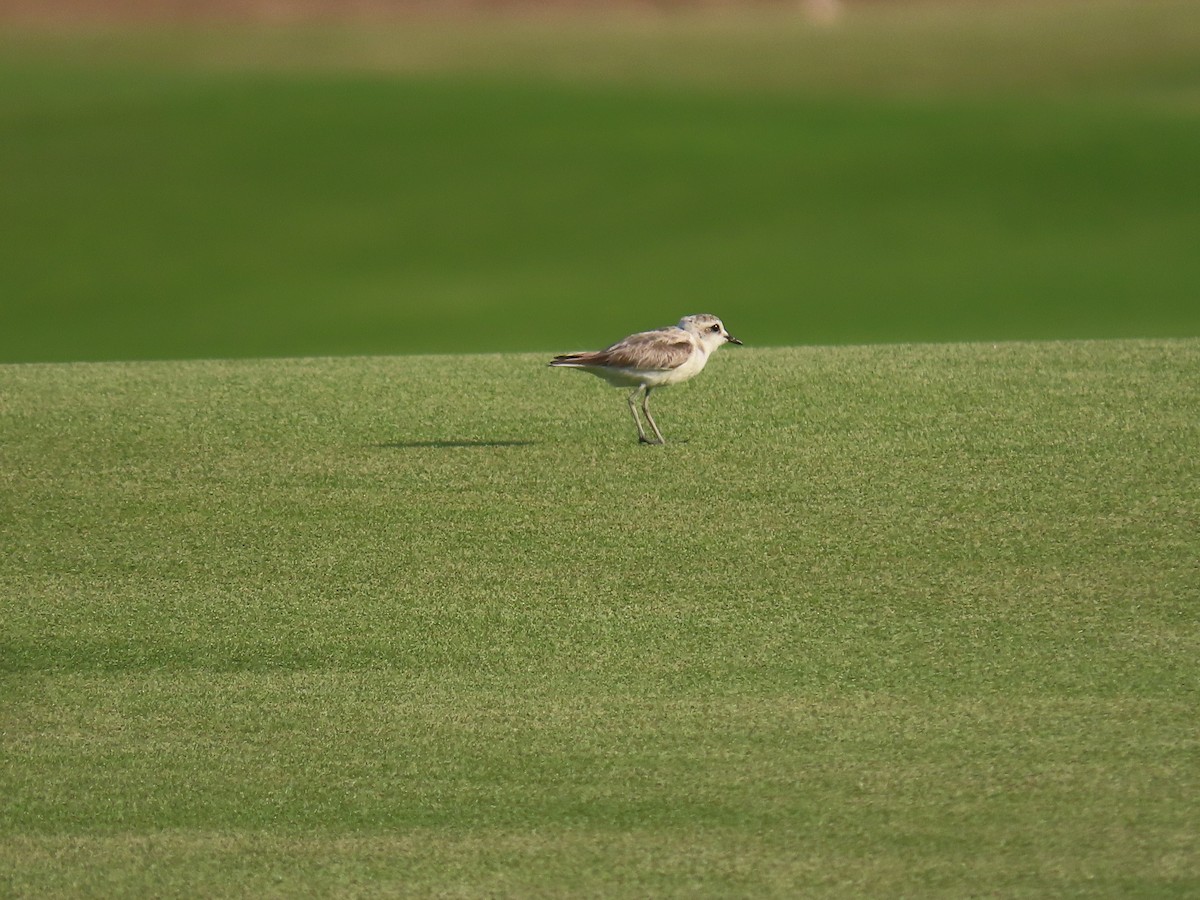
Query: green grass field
[[882, 621], [921, 172]]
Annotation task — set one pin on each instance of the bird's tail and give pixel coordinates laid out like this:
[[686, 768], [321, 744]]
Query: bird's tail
[[574, 359]]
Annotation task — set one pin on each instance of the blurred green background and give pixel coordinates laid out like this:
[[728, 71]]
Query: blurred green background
[[486, 182]]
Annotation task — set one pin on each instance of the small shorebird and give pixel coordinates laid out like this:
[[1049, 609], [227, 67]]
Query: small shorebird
[[651, 359]]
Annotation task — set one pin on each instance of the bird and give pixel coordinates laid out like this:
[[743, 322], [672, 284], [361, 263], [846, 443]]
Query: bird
[[651, 359]]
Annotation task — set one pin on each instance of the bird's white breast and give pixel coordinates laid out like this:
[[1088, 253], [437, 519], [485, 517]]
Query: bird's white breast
[[690, 368]]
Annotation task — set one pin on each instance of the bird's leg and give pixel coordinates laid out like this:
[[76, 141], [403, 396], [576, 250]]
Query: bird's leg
[[650, 418], [633, 411]]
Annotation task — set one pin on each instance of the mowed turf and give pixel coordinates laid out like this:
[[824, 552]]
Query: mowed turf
[[920, 172], [889, 621]]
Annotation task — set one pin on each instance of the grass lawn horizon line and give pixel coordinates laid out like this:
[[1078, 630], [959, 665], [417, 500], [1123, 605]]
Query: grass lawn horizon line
[[549, 352]]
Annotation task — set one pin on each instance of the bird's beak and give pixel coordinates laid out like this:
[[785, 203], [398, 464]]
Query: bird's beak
[[732, 340]]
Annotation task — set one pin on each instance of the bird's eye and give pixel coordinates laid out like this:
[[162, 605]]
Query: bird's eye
[[715, 328]]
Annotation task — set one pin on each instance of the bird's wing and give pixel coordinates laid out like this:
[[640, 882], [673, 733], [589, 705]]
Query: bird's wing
[[669, 348]]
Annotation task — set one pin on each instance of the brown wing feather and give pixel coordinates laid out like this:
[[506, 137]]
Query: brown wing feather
[[649, 350]]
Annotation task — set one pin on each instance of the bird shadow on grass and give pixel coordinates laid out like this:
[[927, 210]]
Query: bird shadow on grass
[[448, 444]]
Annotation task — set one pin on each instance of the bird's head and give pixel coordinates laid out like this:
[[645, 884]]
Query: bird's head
[[709, 329]]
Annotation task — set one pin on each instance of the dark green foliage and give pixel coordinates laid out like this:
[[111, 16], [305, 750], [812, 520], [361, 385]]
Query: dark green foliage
[[309, 192]]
